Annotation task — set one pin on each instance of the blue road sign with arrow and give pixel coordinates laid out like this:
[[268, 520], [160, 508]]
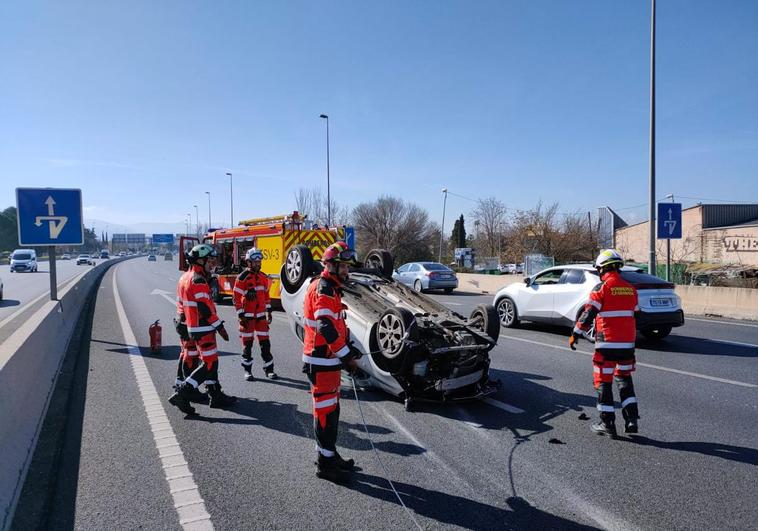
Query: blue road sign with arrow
[[163, 238], [49, 216], [669, 221]]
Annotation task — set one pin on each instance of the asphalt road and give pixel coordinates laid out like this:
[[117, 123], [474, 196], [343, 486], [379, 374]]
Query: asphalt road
[[525, 459], [23, 292]]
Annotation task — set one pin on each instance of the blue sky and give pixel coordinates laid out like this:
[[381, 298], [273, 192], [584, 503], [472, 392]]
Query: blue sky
[[145, 105]]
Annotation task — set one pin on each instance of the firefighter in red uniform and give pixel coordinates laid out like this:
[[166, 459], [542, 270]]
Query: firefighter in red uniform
[[253, 305], [189, 358], [611, 306], [326, 351], [202, 325]]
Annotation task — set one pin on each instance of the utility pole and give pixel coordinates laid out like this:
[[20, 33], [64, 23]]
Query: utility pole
[[651, 260], [328, 189], [442, 230], [231, 198], [209, 210], [668, 249]]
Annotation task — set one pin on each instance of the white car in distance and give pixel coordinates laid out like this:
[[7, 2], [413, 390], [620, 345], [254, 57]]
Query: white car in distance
[[557, 296]]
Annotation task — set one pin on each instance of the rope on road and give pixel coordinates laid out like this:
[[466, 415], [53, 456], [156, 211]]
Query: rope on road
[[376, 452]]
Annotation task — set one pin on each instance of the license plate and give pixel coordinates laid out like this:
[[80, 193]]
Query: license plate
[[660, 302]]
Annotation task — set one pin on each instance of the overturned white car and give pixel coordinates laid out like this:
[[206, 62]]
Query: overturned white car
[[414, 347]]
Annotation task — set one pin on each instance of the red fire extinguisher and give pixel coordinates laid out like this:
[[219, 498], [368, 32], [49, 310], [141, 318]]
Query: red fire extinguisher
[[155, 337]]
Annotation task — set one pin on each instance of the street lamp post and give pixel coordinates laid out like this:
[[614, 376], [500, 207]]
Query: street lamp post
[[209, 210], [189, 222], [328, 191], [442, 231], [651, 260], [197, 220], [231, 198]]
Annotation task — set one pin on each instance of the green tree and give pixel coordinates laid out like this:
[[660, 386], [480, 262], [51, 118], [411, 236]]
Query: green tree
[[458, 237], [8, 230]]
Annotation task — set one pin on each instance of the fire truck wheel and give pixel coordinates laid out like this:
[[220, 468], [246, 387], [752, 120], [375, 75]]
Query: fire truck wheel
[[298, 266], [382, 260]]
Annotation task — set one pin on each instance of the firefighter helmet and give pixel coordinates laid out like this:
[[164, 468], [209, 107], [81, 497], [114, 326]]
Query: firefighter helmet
[[201, 251], [608, 257], [253, 254], [340, 253]]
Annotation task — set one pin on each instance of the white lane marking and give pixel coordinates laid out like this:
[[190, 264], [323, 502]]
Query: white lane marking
[[452, 303], [188, 503], [37, 299], [739, 344], [639, 364], [502, 405], [165, 294], [688, 318]]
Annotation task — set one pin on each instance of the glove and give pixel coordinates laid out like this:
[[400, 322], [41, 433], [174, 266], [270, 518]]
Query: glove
[[269, 316], [573, 339], [355, 352], [222, 332], [351, 367]]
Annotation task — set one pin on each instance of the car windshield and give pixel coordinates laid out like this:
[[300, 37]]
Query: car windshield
[[83, 256], [432, 266], [22, 256], [636, 278]]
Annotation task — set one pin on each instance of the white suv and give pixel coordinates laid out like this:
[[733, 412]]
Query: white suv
[[557, 296]]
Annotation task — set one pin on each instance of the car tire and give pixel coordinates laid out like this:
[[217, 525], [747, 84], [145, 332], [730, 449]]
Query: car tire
[[418, 287], [382, 260], [394, 327], [298, 265], [449, 290], [507, 313], [486, 318], [656, 334]]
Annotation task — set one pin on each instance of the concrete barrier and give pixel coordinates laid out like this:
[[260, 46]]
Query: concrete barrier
[[734, 303], [30, 361]]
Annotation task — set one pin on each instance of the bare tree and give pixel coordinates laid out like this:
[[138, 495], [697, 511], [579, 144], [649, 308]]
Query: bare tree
[[490, 213], [312, 201], [396, 225]]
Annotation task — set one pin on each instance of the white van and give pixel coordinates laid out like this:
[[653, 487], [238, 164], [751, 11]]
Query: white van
[[23, 260]]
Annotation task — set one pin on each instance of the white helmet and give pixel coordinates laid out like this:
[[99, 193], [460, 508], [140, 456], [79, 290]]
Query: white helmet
[[608, 257], [253, 254]]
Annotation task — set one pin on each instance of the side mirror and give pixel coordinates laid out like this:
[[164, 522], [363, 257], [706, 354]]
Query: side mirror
[[528, 281]]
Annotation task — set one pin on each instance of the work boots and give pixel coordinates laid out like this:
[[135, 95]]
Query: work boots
[[271, 375], [604, 428], [631, 416], [344, 464], [181, 399], [328, 468], [248, 374], [194, 394], [218, 399]]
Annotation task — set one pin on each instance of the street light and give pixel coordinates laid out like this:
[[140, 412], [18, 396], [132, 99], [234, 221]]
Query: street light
[[188, 219], [197, 220], [231, 197], [209, 210], [652, 269], [328, 191], [442, 232]]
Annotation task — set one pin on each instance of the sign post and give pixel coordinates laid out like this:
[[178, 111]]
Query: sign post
[[669, 228], [48, 217]]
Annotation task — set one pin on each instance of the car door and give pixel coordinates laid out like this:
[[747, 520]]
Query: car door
[[537, 297], [566, 295], [400, 273], [414, 271]]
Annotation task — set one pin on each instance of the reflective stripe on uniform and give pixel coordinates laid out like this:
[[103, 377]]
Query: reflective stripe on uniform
[[324, 403], [610, 344], [238, 290], [308, 322], [262, 314], [202, 295], [625, 367], [594, 303], [246, 334], [630, 400], [261, 334], [343, 351], [605, 409], [607, 370], [269, 364], [321, 361], [260, 288], [193, 329], [210, 382], [189, 303], [326, 312], [247, 363], [206, 353], [617, 313]]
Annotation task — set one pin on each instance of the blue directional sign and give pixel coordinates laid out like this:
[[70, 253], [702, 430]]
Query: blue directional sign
[[49, 216], [163, 238], [669, 221], [350, 237]]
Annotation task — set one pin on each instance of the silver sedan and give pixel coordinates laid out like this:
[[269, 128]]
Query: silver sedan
[[426, 275]]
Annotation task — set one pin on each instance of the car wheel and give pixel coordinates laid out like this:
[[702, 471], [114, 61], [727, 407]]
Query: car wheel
[[298, 265], [507, 312], [382, 260], [394, 328], [417, 286], [655, 334], [448, 290], [486, 318]]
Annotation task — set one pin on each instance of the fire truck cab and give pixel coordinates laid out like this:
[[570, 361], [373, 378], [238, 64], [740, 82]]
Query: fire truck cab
[[274, 236]]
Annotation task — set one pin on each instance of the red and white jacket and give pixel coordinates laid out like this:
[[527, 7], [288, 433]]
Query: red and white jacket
[[611, 305], [194, 300], [251, 294], [325, 344]]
